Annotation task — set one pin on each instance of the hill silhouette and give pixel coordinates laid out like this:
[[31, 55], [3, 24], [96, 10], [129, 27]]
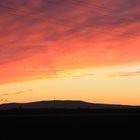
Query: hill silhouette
[[67, 113], [61, 104]]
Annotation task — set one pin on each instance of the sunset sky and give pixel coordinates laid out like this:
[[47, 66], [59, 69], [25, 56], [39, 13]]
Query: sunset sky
[[70, 50]]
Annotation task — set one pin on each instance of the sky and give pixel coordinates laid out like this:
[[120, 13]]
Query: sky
[[70, 50]]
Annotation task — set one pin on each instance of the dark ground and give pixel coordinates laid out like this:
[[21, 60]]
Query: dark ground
[[71, 117], [85, 123]]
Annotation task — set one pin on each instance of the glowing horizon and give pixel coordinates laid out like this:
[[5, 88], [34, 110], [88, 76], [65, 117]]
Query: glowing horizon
[[74, 85]]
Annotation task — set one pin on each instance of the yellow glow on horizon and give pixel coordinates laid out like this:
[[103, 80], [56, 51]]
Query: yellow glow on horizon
[[87, 84]]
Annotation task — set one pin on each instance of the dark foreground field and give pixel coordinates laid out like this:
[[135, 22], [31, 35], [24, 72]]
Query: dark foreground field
[[71, 118]]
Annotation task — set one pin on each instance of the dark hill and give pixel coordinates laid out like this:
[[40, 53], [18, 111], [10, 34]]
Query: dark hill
[[63, 104]]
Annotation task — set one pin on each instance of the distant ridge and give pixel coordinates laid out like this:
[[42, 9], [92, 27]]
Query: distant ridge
[[61, 104]]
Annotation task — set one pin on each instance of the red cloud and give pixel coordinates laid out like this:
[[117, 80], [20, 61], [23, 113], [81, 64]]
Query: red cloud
[[43, 37]]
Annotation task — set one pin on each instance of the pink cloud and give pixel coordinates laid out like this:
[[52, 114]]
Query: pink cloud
[[43, 37]]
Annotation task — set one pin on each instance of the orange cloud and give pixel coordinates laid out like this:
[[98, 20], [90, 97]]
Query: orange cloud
[[43, 37]]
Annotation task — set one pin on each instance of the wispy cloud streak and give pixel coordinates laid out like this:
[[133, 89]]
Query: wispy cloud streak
[[58, 35]]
